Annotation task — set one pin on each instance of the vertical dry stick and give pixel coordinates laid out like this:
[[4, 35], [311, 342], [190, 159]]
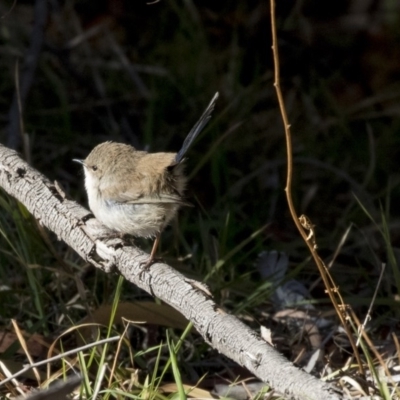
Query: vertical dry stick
[[30, 64], [340, 310]]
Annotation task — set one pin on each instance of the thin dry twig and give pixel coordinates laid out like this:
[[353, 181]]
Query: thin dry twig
[[335, 254], [332, 290]]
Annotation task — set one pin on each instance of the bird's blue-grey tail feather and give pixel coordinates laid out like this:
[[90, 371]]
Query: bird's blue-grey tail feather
[[200, 124]]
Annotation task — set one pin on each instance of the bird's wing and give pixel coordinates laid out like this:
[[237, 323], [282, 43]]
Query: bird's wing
[[161, 199], [132, 197]]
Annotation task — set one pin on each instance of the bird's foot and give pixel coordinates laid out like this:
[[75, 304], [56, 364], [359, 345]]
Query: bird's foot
[[146, 264], [151, 260]]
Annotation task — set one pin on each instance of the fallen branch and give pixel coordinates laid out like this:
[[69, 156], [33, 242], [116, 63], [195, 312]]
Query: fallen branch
[[225, 333]]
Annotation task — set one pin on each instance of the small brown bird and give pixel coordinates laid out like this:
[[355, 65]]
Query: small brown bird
[[134, 192]]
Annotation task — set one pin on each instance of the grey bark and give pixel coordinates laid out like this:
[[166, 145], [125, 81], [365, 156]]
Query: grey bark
[[225, 333]]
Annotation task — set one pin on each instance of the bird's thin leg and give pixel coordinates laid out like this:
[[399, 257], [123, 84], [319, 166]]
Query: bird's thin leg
[[155, 246], [151, 258]]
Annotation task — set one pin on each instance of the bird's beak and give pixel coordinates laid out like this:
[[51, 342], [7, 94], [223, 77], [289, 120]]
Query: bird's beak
[[79, 161]]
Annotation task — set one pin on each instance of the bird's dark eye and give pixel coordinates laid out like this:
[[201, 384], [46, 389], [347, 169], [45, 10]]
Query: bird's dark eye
[[94, 167]]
